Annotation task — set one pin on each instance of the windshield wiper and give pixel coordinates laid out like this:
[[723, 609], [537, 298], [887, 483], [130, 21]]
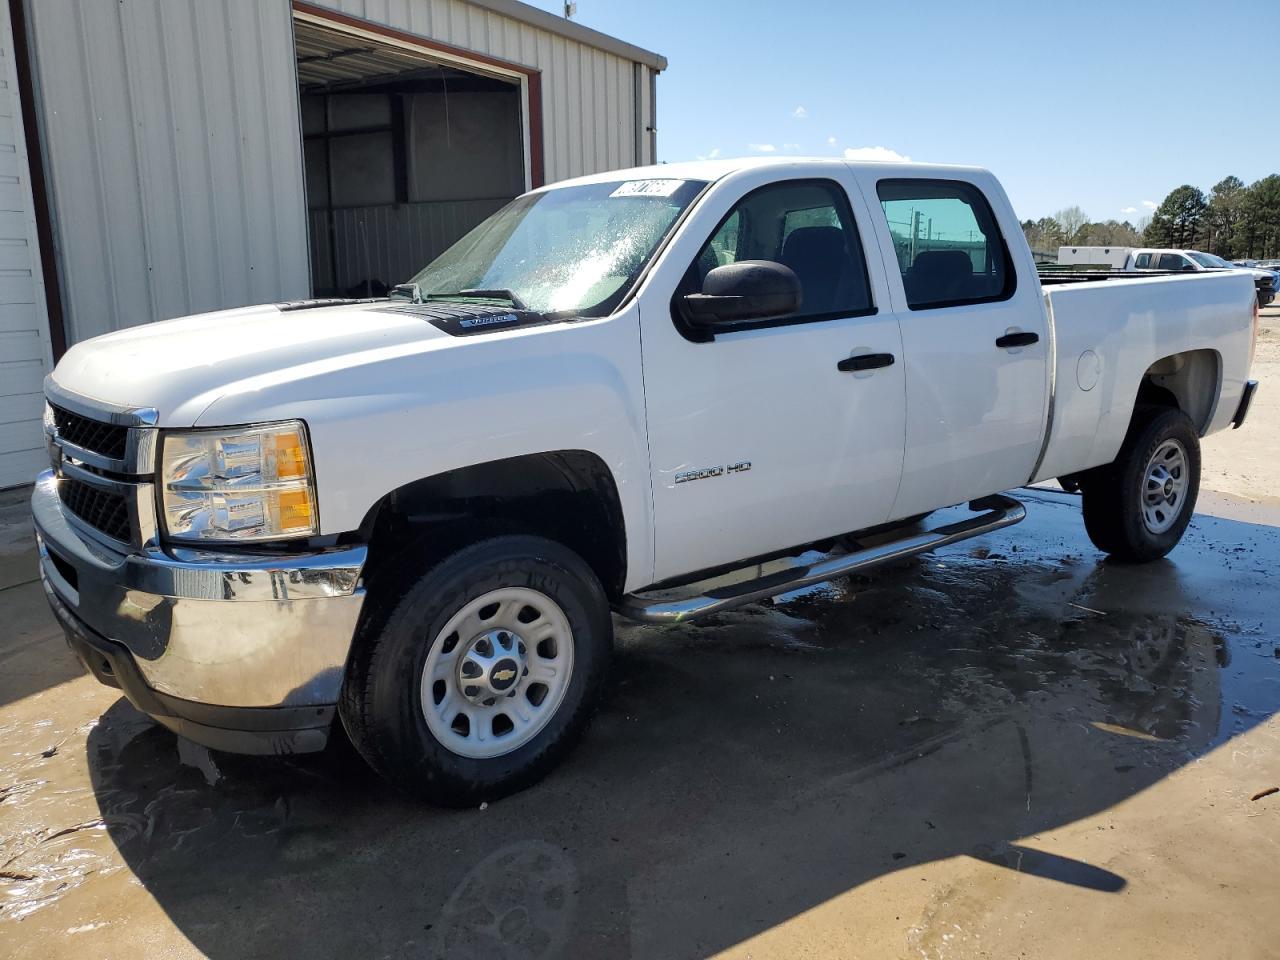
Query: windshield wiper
[[498, 293]]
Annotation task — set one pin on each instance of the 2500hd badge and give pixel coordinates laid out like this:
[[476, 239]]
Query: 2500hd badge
[[742, 466]]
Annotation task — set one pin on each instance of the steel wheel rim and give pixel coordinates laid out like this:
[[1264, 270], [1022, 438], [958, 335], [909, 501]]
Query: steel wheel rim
[[497, 672], [1164, 487]]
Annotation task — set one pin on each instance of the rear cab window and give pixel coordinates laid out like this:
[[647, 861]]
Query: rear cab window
[[1143, 261], [949, 247]]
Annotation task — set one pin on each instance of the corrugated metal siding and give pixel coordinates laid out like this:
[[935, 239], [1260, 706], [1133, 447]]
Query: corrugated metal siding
[[391, 242], [173, 151], [648, 133], [588, 95], [24, 325]]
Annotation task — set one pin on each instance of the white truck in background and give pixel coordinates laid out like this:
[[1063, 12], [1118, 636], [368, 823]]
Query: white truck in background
[[414, 515], [1156, 260], [1196, 261]]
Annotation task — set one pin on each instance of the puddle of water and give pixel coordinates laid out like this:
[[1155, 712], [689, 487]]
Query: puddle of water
[[838, 685]]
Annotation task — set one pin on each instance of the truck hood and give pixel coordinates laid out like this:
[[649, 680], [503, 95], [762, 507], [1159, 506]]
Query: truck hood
[[180, 367], [1260, 273]]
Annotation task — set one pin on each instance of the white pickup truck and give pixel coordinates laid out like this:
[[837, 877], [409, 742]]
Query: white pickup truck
[[1196, 261], [1081, 262], [416, 514]]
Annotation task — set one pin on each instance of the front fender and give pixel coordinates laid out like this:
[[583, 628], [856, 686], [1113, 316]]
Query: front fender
[[420, 410]]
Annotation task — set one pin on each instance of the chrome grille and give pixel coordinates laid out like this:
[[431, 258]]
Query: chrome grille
[[108, 439], [104, 458], [103, 510]]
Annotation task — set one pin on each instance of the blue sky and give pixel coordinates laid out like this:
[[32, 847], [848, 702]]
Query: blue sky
[[1105, 105]]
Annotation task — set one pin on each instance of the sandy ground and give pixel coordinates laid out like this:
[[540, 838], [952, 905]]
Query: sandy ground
[[1244, 462], [1009, 749]]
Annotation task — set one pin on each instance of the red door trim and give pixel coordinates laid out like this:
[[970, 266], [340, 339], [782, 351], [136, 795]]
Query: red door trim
[[39, 188]]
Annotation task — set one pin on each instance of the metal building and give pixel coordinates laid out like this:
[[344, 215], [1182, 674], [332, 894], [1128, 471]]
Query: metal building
[[167, 157]]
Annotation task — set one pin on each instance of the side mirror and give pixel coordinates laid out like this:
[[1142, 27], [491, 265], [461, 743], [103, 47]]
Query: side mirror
[[1188, 268], [746, 290]]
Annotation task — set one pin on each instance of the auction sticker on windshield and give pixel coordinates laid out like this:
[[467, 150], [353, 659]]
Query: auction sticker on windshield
[[647, 188]]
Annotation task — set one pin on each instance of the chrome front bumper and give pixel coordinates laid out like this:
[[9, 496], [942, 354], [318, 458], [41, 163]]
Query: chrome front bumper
[[222, 641]]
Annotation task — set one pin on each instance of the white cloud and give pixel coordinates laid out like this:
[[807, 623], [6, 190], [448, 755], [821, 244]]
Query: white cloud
[[831, 141], [1129, 210], [791, 146], [800, 113], [1150, 204], [875, 154], [715, 152], [762, 148]]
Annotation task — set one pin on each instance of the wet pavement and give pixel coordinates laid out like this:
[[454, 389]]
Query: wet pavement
[[1009, 748]]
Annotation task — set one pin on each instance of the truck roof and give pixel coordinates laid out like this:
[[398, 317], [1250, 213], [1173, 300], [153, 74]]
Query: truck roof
[[712, 170]]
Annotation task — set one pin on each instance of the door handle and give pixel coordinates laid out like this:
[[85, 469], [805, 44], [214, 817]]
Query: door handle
[[865, 361], [1017, 340]]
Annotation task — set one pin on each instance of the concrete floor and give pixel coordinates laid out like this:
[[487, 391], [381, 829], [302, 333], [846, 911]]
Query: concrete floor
[[1010, 748]]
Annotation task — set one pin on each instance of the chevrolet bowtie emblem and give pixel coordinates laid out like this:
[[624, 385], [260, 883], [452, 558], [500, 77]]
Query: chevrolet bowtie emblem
[[502, 676]]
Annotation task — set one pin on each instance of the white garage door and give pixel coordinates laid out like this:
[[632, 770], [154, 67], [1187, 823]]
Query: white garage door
[[24, 325]]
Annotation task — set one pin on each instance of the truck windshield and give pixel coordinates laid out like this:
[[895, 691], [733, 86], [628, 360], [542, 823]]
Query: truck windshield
[[568, 251]]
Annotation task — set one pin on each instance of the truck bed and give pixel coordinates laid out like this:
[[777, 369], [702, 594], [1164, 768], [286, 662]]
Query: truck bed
[[1105, 337], [1081, 274], [1051, 275]]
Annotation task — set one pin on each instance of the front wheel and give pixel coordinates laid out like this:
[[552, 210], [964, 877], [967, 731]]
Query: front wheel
[[480, 677], [1138, 507]]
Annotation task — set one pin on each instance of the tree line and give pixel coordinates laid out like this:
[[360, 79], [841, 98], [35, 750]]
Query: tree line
[[1233, 220], [1072, 227]]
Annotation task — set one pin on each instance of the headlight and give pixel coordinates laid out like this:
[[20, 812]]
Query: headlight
[[246, 483]]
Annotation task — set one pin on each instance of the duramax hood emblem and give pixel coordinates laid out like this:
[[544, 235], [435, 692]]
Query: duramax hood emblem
[[487, 321]]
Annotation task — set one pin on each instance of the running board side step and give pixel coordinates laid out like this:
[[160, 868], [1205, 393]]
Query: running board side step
[[998, 511]]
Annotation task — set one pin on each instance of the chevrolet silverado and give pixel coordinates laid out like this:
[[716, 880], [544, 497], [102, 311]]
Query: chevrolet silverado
[[660, 392]]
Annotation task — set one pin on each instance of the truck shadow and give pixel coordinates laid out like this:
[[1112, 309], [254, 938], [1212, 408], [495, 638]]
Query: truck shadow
[[32, 655], [743, 771]]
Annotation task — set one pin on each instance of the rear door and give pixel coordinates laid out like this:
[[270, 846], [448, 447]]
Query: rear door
[[974, 338]]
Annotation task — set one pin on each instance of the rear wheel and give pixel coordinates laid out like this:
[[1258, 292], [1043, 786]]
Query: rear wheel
[[1138, 507], [480, 677]]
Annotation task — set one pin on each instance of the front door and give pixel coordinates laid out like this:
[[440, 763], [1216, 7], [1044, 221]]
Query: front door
[[758, 439], [975, 341]]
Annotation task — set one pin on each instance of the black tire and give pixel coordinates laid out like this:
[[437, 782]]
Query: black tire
[[381, 707], [1113, 495]]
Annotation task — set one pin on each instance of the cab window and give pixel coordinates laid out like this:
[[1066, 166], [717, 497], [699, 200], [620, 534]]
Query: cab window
[[1172, 261], [1143, 261], [806, 225], [950, 250]]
